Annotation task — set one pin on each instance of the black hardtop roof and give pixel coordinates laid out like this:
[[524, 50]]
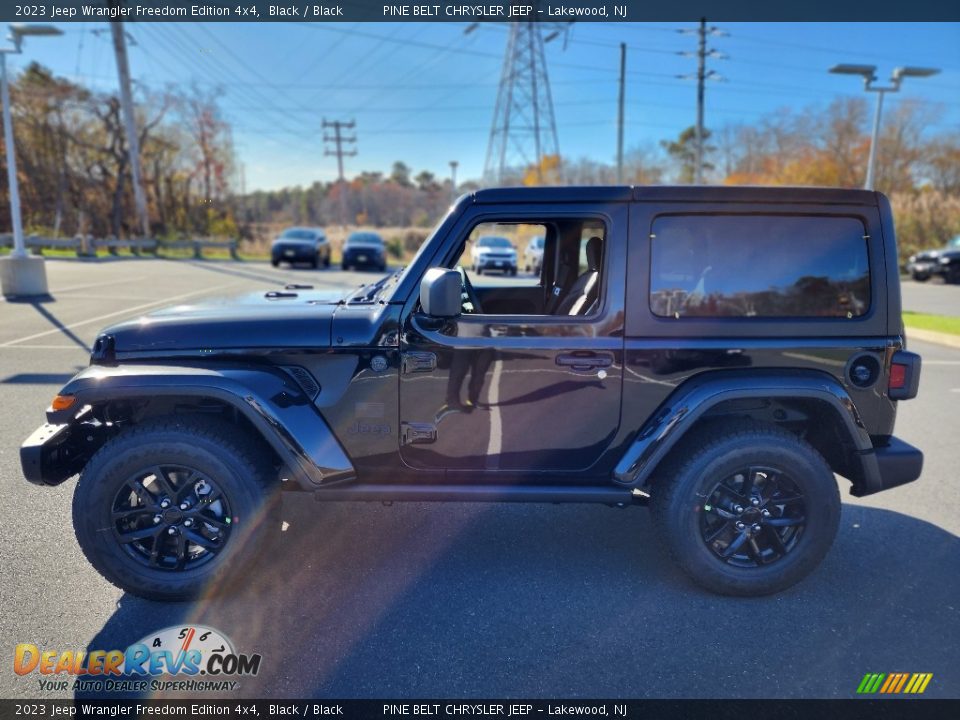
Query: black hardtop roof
[[677, 193]]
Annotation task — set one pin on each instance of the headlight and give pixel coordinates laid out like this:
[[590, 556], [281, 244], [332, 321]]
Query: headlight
[[944, 261]]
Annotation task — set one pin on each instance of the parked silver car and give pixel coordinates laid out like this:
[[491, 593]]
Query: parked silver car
[[533, 256]]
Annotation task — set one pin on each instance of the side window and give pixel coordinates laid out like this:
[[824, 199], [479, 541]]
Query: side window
[[758, 266], [498, 250], [553, 266]]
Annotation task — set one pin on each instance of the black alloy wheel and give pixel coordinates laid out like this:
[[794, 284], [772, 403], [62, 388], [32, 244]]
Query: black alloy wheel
[[753, 517], [171, 517]]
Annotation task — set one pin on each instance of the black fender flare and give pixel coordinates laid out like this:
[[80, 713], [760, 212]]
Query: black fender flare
[[693, 399], [267, 397]]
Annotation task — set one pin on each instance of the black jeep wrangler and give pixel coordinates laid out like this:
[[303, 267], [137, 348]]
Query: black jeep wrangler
[[717, 353]]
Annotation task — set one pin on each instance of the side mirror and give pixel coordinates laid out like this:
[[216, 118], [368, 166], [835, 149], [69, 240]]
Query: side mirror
[[440, 293]]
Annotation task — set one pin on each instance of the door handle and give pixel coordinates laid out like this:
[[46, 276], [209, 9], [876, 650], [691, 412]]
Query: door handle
[[585, 361]]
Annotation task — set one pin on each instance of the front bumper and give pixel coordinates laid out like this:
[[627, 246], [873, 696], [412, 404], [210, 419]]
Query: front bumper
[[366, 259], [48, 457], [921, 267], [293, 253], [897, 463], [503, 264]]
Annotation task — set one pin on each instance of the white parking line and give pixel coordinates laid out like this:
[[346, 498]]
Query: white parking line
[[45, 347], [136, 278], [127, 311]]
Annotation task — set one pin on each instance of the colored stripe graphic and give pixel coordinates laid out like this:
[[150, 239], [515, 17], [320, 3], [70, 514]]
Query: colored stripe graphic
[[893, 683]]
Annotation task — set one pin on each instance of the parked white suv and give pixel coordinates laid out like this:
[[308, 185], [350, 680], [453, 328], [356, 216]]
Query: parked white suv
[[493, 253]]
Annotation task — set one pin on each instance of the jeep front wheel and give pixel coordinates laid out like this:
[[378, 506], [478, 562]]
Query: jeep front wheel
[[164, 508], [752, 511]]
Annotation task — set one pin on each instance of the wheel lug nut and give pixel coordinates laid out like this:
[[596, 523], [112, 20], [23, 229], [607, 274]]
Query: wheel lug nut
[[756, 527], [156, 519], [754, 501], [188, 522], [165, 504], [740, 525], [183, 506], [738, 508], [765, 512]]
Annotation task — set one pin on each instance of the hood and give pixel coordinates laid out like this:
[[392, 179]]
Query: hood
[[278, 320]]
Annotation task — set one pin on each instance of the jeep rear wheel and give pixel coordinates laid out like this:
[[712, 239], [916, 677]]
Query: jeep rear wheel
[[751, 512], [165, 508]]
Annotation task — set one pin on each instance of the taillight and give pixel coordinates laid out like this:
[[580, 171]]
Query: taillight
[[898, 377], [903, 378]]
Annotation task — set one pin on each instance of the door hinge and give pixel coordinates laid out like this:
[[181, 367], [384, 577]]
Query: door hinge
[[414, 362], [417, 433]]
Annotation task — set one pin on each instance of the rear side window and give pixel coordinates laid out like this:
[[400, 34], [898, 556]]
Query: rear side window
[[758, 266]]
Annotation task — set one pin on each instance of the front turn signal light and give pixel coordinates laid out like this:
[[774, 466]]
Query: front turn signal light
[[62, 402]]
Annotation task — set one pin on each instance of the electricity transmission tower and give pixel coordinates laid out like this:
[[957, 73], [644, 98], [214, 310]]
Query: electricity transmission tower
[[524, 130], [702, 53], [339, 139]]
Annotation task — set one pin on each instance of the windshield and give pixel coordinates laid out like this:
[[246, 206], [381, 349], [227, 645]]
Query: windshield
[[298, 234], [494, 242], [366, 238]]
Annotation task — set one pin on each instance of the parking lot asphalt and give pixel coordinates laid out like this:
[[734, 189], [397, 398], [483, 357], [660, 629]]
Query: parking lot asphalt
[[479, 600], [933, 296]]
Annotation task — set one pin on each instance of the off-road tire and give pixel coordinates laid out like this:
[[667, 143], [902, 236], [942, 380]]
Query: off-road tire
[[239, 464], [678, 495]]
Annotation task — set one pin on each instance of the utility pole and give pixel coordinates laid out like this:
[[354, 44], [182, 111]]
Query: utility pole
[[701, 77], [453, 180], [133, 141], [339, 139], [623, 72], [703, 74]]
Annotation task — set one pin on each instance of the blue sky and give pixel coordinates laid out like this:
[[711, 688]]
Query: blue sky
[[424, 92]]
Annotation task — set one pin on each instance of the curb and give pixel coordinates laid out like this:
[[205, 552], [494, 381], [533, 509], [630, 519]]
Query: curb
[[933, 336]]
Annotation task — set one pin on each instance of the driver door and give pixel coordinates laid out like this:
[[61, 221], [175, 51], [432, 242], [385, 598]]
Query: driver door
[[517, 392]]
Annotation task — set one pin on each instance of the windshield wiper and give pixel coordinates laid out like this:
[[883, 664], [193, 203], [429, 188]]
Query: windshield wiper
[[374, 289]]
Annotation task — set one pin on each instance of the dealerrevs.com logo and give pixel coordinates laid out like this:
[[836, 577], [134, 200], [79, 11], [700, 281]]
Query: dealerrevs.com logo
[[181, 653]]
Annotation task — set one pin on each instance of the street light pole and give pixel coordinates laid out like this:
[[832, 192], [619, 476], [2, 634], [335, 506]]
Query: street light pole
[[874, 138], [21, 275], [453, 180], [19, 249], [869, 75]]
